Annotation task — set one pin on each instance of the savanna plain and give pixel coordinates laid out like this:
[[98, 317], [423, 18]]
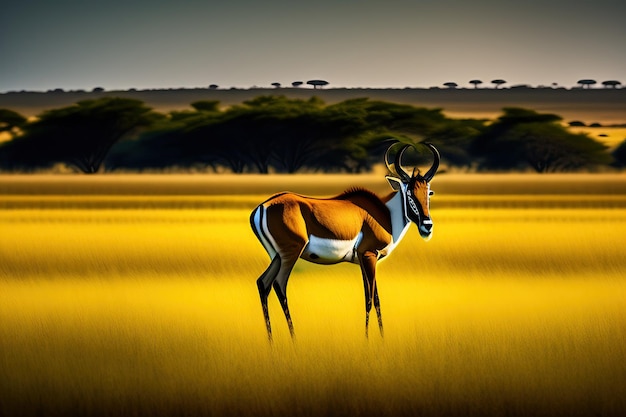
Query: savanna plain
[[135, 295]]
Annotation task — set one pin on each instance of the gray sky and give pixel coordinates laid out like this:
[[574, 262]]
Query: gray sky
[[81, 44]]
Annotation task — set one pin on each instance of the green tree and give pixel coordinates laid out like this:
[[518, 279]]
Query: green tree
[[619, 154], [317, 83], [11, 121], [283, 133], [586, 83], [365, 124], [611, 83], [163, 145], [279, 134], [454, 137], [521, 138], [206, 105], [550, 148], [80, 135]]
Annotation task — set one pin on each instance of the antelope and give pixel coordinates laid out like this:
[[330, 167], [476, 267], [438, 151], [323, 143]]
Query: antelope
[[356, 226]]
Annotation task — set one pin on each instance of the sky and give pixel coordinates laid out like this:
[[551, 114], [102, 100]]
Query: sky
[[121, 44]]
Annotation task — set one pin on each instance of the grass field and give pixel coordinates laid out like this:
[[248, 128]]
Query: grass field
[[129, 296]]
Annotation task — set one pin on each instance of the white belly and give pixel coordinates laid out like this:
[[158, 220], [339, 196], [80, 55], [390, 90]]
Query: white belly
[[330, 251]]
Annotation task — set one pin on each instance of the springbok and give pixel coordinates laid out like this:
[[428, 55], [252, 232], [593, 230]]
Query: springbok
[[356, 226]]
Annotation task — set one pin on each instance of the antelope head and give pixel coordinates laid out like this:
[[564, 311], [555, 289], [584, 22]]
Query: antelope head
[[415, 189]]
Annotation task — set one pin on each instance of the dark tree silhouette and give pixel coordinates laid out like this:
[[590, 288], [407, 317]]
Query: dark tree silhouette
[[288, 133], [619, 155], [454, 140], [551, 149], [80, 135], [244, 138], [451, 85], [296, 84], [522, 138], [476, 83], [586, 83], [276, 85], [498, 82], [611, 83], [11, 121], [206, 105], [317, 83], [279, 134], [213, 86]]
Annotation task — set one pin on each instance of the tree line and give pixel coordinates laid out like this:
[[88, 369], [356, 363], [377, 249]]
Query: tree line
[[279, 134]]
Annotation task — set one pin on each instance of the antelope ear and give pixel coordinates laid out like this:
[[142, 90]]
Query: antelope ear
[[395, 183]]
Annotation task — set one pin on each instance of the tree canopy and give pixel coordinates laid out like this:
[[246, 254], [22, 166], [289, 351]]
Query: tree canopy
[[317, 83], [586, 83], [80, 135], [611, 83], [524, 138], [619, 154], [275, 133], [280, 134], [10, 121]]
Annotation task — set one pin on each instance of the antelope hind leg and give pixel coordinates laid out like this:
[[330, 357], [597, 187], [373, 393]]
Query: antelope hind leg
[[368, 269], [264, 283]]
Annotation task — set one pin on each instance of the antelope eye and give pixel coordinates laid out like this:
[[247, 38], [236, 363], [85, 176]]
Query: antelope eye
[[431, 193]]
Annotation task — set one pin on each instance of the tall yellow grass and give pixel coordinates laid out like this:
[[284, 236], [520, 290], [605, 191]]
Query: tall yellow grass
[[143, 306]]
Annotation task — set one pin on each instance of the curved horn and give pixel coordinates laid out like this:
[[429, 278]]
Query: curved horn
[[391, 168], [433, 169], [404, 176]]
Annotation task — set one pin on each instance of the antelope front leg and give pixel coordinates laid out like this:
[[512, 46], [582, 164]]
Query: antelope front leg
[[368, 305], [377, 307]]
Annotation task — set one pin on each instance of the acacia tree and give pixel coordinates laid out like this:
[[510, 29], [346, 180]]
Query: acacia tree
[[586, 83], [498, 83], [206, 105], [248, 137], [522, 138], [549, 148], [11, 121], [80, 135], [451, 85], [475, 83], [317, 83], [611, 83], [619, 154], [279, 134]]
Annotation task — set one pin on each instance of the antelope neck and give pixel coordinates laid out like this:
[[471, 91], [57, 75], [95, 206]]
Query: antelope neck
[[399, 221]]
